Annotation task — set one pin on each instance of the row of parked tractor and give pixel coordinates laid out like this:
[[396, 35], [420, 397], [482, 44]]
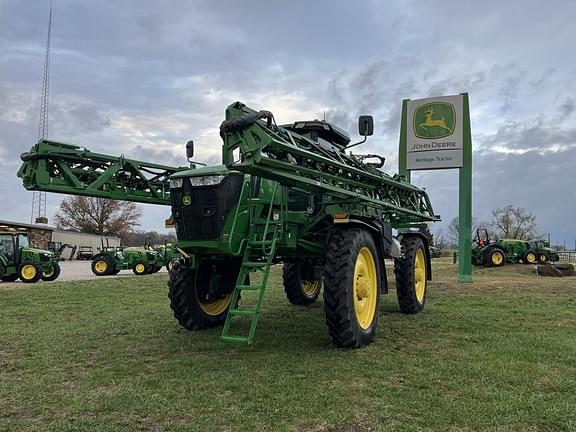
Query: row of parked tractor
[[495, 253], [18, 260], [147, 260]]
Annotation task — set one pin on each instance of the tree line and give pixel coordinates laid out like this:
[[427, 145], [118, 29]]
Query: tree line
[[108, 217]]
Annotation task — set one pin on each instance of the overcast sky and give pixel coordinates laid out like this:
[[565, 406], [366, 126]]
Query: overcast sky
[[143, 77]]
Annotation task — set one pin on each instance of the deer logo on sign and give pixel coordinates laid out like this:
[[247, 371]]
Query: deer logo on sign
[[434, 120]]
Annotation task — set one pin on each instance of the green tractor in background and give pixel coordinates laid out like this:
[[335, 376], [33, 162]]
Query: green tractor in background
[[435, 252], [543, 251], [496, 253], [110, 260], [166, 255], [19, 261]]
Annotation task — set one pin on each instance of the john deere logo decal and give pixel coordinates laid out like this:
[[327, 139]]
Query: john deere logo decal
[[434, 120], [186, 200]]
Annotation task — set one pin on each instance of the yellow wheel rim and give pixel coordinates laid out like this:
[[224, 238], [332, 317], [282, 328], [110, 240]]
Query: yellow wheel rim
[[100, 266], [28, 272], [217, 307], [543, 258], [140, 268], [497, 258], [365, 288], [420, 275], [531, 258], [48, 273], [310, 288], [170, 265]]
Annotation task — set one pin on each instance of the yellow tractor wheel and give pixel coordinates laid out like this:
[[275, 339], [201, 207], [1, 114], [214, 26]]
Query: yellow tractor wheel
[[299, 284], [140, 268], [412, 275], [352, 287], [30, 272]]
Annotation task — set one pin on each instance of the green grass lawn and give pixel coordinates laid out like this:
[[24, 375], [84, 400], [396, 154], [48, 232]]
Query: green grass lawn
[[107, 355]]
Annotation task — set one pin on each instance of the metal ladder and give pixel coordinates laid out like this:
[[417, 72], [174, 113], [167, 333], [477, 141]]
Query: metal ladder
[[258, 256]]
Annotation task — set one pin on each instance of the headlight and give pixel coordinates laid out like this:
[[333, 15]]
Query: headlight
[[176, 183], [206, 180]]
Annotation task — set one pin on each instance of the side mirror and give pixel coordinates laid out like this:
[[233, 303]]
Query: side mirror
[[365, 125], [190, 149]]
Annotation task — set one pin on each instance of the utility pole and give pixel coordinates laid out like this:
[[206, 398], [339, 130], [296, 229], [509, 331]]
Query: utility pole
[[38, 213]]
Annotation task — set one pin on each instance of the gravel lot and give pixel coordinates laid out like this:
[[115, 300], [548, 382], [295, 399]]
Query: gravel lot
[[78, 270]]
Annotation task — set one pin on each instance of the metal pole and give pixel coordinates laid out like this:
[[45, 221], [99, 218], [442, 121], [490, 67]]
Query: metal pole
[[465, 201], [402, 148]]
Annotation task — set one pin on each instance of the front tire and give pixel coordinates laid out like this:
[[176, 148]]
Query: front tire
[[200, 298], [299, 291], [352, 288], [140, 268], [30, 272], [542, 258], [52, 274], [411, 276]]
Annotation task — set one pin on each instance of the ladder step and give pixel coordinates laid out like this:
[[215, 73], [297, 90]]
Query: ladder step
[[260, 243], [259, 201], [242, 312], [235, 339], [249, 287], [255, 264]]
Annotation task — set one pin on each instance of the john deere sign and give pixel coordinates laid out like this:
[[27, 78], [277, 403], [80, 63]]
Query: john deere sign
[[434, 133]]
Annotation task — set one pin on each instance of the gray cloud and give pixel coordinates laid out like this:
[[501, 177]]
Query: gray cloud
[[567, 107]]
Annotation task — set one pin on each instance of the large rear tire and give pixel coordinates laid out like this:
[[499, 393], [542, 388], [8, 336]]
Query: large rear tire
[[200, 298], [102, 265], [52, 274], [352, 288], [530, 257], [494, 257], [411, 276], [300, 291]]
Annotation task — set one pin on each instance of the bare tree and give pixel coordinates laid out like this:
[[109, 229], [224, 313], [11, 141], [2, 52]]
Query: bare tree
[[453, 230], [98, 216], [441, 239], [514, 223]]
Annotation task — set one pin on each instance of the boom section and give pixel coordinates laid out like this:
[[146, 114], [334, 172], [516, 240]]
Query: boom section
[[254, 144], [69, 169]]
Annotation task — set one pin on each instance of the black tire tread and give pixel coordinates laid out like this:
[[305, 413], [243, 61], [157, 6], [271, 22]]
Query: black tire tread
[[293, 287], [55, 275], [404, 271], [38, 272], [338, 304]]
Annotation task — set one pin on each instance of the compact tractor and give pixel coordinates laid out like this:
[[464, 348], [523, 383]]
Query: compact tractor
[[19, 261], [110, 260], [496, 253], [166, 255], [290, 194]]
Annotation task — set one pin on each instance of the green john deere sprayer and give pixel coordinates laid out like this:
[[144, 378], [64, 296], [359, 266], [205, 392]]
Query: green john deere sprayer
[[286, 194]]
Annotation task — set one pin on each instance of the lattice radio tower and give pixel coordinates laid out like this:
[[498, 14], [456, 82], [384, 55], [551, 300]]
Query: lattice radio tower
[[39, 198]]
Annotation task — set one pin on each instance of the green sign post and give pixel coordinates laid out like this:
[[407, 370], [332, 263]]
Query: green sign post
[[435, 134]]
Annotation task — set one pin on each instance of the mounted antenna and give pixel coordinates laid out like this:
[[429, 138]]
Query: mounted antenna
[[38, 214]]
